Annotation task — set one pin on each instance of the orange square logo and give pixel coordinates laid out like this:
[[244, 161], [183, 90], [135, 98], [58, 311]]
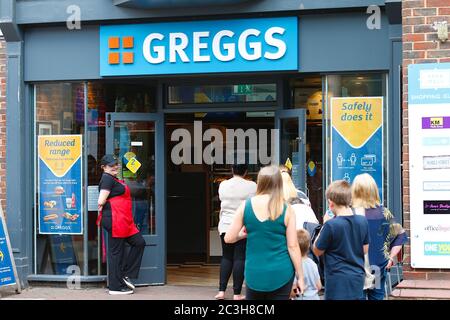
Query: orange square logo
[[127, 42], [113, 58], [128, 57], [113, 43]]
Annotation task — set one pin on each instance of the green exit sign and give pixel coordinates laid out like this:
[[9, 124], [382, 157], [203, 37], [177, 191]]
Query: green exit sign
[[243, 89]]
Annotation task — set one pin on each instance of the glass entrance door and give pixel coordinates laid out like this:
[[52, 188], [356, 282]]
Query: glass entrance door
[[137, 140], [291, 125]]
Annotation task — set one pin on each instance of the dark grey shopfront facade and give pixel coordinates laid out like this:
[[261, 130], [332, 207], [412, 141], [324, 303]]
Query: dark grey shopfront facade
[[334, 44]]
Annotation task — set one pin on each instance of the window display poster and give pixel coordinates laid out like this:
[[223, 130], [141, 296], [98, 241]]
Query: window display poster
[[357, 139], [60, 184], [429, 164]]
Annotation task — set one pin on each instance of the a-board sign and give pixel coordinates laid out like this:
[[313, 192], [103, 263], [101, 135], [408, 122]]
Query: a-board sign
[[8, 272]]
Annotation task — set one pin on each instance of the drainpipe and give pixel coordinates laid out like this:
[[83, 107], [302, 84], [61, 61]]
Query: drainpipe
[[18, 193]]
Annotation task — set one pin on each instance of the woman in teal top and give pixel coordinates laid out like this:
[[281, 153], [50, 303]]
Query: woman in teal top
[[272, 253]]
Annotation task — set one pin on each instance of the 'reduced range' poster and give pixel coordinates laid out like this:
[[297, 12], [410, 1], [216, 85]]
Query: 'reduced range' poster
[[60, 184]]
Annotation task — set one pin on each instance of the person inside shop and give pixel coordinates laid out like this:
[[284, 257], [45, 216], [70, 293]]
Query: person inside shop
[[116, 217], [232, 193]]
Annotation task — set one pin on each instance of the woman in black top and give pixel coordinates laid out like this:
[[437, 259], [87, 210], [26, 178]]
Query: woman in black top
[[116, 217]]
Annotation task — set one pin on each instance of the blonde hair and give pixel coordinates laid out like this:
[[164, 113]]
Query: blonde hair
[[304, 240], [365, 192], [340, 193], [289, 190], [270, 182]]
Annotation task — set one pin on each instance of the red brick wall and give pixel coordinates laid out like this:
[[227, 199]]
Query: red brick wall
[[3, 123], [420, 45]]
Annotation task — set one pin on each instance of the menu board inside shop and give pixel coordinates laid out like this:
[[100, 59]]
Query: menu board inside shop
[[60, 184]]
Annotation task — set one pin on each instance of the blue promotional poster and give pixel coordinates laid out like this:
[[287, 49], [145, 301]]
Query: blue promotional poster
[[6, 265], [60, 184], [357, 139], [62, 253]]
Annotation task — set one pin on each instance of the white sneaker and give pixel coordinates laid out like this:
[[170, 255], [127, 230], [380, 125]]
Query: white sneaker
[[128, 283], [121, 291]]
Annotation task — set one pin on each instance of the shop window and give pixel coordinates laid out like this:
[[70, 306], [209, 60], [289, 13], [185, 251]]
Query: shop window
[[223, 94], [59, 110], [361, 156]]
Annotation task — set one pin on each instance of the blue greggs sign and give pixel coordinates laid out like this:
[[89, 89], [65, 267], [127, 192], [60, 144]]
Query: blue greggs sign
[[266, 44]]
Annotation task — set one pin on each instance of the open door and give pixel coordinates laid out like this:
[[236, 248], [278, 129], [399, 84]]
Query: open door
[[137, 139], [291, 125]]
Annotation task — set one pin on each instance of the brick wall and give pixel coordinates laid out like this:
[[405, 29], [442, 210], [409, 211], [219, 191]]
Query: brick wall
[[420, 45], [2, 123]]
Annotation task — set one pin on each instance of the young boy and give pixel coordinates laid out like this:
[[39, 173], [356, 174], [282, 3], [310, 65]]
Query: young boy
[[310, 270], [343, 241]]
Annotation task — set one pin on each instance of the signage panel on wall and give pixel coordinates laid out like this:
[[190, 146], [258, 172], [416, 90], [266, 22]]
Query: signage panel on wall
[[429, 164], [258, 44], [357, 138], [60, 184]]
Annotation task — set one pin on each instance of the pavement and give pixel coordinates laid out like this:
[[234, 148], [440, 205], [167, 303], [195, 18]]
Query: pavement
[[166, 292]]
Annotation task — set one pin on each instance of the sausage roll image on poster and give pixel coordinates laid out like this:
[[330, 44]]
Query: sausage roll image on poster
[[49, 217]]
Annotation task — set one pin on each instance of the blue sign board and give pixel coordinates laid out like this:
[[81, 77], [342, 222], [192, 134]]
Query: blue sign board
[[60, 184], [357, 139], [6, 267], [259, 44], [428, 83], [62, 253]]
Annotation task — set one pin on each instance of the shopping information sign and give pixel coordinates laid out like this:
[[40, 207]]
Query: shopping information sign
[[429, 164], [357, 138], [60, 184]]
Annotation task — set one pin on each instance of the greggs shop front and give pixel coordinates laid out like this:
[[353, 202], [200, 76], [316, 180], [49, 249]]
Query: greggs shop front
[[178, 94]]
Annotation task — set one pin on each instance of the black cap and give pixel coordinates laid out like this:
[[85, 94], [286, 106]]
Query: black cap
[[108, 160]]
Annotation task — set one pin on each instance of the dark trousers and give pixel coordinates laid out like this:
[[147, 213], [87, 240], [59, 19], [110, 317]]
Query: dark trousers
[[281, 293], [233, 260], [119, 264]]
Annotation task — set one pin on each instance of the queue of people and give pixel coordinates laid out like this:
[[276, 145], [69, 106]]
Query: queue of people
[[265, 240], [277, 265]]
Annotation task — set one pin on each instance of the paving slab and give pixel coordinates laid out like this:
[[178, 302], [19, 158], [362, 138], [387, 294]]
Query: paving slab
[[167, 292]]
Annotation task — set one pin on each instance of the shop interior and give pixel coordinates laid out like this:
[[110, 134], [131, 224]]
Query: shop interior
[[193, 204]]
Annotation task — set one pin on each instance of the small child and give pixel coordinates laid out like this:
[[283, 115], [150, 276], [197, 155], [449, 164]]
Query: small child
[[310, 270]]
